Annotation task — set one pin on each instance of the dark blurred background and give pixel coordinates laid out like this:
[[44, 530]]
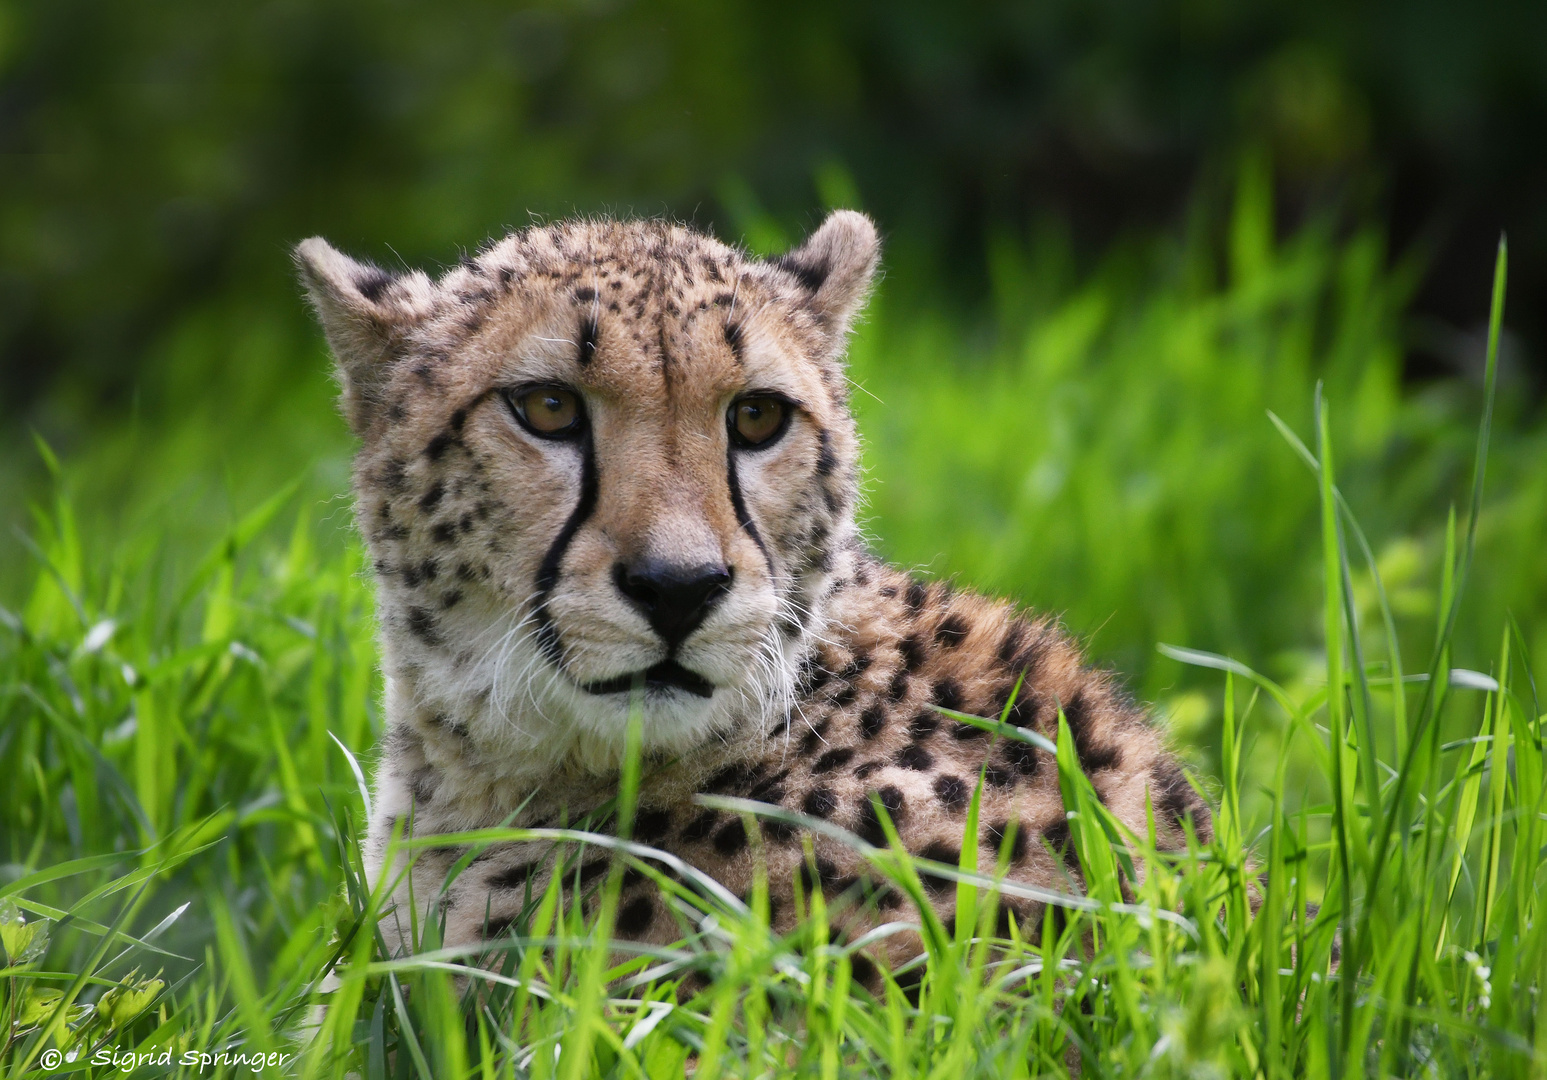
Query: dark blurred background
[[159, 156]]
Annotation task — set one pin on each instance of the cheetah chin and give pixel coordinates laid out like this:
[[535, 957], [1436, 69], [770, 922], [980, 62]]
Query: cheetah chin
[[602, 457]]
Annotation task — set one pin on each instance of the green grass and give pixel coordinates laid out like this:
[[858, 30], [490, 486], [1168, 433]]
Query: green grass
[[180, 736]]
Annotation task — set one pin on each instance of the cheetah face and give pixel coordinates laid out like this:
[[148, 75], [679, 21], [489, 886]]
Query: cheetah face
[[600, 458]]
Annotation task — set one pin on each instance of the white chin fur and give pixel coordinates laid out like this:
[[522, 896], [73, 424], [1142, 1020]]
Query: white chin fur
[[532, 718]]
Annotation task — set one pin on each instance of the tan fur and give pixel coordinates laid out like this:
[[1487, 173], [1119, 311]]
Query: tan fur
[[496, 554]]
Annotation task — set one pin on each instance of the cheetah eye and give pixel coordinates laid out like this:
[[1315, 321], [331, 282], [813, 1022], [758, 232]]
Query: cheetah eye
[[549, 412], [758, 421]]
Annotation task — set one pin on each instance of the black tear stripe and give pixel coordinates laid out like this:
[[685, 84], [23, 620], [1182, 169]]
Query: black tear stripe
[[548, 573], [740, 506]]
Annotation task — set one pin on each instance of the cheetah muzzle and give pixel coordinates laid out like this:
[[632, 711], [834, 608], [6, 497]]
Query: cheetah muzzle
[[604, 456]]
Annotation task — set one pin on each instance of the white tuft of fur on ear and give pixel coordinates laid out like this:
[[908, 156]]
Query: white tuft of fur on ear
[[366, 314], [836, 265]]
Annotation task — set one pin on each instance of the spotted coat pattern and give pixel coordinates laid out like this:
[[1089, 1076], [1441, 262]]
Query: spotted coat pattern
[[505, 633]]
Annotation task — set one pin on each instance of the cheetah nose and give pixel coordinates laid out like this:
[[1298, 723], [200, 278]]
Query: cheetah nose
[[673, 597]]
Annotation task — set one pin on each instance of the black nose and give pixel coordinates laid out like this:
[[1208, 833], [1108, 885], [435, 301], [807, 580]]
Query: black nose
[[675, 598]]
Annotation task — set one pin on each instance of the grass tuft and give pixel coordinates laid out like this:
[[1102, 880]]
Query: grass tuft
[[185, 757]]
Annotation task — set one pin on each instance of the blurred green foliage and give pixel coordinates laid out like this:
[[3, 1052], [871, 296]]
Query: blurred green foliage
[[1110, 455], [159, 157]]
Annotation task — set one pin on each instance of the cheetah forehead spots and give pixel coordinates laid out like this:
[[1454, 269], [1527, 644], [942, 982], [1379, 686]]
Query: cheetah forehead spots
[[558, 487], [566, 516]]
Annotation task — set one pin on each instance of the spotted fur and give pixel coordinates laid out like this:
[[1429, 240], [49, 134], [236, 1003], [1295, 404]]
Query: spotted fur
[[508, 641]]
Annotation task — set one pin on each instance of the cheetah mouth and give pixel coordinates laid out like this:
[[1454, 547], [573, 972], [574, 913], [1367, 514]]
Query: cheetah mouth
[[668, 674]]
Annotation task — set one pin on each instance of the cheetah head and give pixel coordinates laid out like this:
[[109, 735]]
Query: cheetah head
[[599, 457]]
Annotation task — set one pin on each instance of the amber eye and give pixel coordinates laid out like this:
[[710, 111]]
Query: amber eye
[[758, 421], [550, 412]]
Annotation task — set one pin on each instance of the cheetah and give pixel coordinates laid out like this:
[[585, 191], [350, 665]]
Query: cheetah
[[610, 465]]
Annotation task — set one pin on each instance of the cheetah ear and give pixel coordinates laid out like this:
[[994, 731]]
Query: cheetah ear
[[835, 266], [366, 314]]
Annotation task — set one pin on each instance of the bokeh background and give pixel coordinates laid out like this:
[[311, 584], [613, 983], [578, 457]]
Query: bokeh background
[[1117, 235]]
